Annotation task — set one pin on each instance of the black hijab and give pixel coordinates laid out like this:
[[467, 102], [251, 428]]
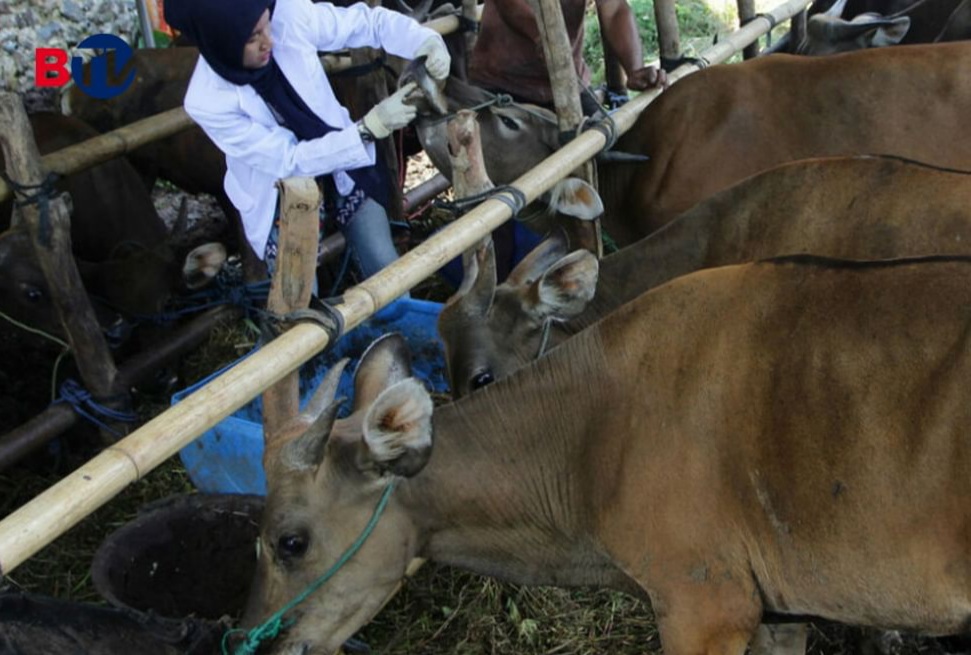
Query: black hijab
[[220, 29]]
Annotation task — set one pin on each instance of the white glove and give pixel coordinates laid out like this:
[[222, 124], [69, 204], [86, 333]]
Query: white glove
[[391, 113], [438, 60]]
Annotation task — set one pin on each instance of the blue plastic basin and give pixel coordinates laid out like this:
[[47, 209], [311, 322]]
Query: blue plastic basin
[[228, 458]]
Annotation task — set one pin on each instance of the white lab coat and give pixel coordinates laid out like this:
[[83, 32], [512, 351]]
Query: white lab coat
[[258, 150]]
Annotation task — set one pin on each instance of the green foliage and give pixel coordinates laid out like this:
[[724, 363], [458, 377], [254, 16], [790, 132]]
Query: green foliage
[[698, 22]]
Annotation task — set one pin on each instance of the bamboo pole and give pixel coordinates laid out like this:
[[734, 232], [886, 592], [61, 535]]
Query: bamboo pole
[[53, 512], [668, 36], [291, 287], [746, 12], [566, 98], [125, 139]]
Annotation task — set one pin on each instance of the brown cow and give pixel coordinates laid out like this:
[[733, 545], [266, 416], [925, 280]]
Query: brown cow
[[785, 437], [110, 205], [724, 123], [854, 207], [118, 239], [514, 136], [135, 283]]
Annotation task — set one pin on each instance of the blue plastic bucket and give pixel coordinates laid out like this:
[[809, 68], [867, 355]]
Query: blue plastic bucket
[[228, 458]]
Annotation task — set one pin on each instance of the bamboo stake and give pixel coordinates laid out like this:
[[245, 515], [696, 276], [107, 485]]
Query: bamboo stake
[[53, 512], [746, 11], [125, 139], [668, 37], [291, 286], [566, 98]]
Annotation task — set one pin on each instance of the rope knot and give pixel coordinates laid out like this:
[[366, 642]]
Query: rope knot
[[80, 399]]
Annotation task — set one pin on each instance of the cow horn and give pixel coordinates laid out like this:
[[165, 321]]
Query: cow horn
[[836, 10], [324, 396], [478, 281], [306, 449]]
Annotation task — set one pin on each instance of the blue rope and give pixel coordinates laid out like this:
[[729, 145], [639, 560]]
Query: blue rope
[[246, 296], [273, 626], [72, 393]]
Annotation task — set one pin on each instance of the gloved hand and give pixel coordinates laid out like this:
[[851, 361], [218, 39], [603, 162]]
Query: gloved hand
[[391, 113], [438, 61]]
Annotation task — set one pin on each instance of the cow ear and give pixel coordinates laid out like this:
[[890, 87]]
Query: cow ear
[[398, 429], [539, 259], [575, 197], [385, 362], [891, 32], [567, 287]]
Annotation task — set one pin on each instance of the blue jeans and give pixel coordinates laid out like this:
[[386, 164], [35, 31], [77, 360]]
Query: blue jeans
[[368, 236]]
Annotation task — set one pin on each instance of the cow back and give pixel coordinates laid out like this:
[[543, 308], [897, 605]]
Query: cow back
[[111, 207], [725, 123]]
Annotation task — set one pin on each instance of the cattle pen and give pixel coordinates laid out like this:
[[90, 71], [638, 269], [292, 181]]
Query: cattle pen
[[54, 511]]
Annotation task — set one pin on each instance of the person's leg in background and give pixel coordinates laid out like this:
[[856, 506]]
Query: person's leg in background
[[368, 235]]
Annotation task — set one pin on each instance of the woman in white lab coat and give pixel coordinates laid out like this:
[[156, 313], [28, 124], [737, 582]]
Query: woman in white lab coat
[[261, 94]]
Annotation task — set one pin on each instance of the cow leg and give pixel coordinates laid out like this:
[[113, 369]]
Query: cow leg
[[780, 639]]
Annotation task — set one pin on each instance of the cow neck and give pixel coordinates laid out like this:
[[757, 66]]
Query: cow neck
[[677, 249], [505, 492]]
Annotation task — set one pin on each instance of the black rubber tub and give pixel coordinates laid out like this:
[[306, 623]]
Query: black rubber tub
[[191, 555]]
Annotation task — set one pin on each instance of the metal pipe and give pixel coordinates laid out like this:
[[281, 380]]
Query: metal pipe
[[57, 419], [419, 195]]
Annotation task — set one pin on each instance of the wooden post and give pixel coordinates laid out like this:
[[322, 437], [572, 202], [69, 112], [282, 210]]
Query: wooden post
[[566, 99], [292, 284], [746, 12], [50, 233], [668, 36]]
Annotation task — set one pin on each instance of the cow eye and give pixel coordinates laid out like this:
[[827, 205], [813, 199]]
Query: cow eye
[[481, 379], [34, 294], [291, 546], [509, 123]]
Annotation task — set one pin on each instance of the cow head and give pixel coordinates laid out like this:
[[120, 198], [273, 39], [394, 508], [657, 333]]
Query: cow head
[[828, 35], [134, 283], [24, 293], [515, 137], [325, 477], [490, 331]]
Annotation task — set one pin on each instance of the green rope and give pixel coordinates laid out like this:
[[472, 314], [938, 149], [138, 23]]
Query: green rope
[[273, 626]]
